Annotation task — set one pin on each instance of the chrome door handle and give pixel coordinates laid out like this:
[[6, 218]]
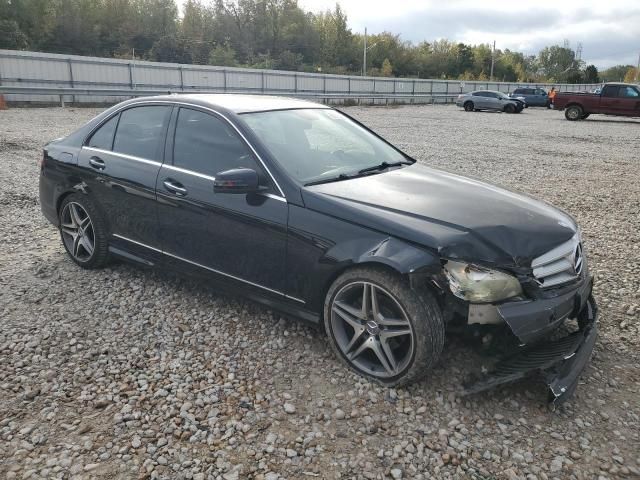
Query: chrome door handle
[[97, 163], [175, 188]]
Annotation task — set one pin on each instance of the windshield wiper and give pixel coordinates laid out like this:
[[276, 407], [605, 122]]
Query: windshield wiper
[[343, 176], [384, 166], [337, 178]]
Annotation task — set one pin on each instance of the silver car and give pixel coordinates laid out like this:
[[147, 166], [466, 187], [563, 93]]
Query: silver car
[[489, 100]]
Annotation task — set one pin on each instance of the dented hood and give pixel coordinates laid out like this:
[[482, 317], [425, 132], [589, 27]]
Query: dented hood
[[457, 216]]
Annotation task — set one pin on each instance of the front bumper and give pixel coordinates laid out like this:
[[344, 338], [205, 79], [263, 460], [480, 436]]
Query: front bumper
[[558, 362]]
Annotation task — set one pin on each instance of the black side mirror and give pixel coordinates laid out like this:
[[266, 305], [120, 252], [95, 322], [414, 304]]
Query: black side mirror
[[237, 180]]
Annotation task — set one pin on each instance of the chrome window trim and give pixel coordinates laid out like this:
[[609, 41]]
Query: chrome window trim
[[188, 172], [209, 268], [123, 155], [192, 105]]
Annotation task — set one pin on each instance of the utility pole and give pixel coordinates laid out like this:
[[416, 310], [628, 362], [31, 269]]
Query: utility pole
[[638, 69], [493, 58], [364, 54]]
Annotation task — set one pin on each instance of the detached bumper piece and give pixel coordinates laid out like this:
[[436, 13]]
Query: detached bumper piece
[[558, 363]]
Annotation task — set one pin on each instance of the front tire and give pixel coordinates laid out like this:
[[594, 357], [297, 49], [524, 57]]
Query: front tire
[[83, 231], [509, 108], [468, 107], [381, 328], [573, 113]]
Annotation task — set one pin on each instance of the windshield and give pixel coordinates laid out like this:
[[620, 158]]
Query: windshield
[[317, 144]]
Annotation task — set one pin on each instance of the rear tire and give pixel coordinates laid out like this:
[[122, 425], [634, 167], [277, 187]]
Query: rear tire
[[395, 342], [469, 107], [573, 113], [83, 231]]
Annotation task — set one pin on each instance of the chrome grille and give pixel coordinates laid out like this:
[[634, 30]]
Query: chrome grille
[[560, 265]]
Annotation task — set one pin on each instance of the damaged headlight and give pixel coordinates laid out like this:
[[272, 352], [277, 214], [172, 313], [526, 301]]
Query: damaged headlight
[[479, 284]]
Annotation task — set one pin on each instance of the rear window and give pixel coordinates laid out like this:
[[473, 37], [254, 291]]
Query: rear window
[[103, 137], [141, 131]]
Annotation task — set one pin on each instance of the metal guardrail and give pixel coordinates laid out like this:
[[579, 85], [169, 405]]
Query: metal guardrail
[[63, 92]]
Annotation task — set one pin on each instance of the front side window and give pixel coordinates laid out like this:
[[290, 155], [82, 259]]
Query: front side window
[[628, 92], [206, 144], [480, 94], [317, 144], [141, 132], [103, 137]]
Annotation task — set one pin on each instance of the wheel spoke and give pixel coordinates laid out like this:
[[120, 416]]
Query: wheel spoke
[[375, 311], [366, 295], [347, 313], [85, 223], [363, 346], [354, 340], [87, 245], [392, 322], [389, 353], [69, 230], [74, 215], [386, 334], [377, 349], [76, 245]]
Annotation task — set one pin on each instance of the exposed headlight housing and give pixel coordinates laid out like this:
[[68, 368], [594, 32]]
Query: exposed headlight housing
[[479, 284]]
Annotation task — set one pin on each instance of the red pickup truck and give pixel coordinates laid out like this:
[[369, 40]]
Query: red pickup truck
[[621, 99]]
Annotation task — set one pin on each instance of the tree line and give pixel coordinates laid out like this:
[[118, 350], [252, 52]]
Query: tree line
[[274, 34]]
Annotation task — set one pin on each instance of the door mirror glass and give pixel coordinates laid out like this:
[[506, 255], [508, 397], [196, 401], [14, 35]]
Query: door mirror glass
[[237, 180]]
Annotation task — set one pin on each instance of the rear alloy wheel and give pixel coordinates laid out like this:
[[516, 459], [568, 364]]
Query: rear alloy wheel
[[83, 232], [509, 108], [468, 106], [381, 328], [574, 112]]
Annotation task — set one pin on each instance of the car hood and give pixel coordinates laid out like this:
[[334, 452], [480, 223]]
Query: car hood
[[457, 216]]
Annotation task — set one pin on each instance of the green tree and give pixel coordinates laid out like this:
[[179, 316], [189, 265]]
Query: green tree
[[387, 69], [11, 36], [591, 74], [559, 64], [223, 55]]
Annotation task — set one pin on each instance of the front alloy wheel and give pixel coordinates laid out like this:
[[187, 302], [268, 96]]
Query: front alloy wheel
[[371, 329], [381, 328]]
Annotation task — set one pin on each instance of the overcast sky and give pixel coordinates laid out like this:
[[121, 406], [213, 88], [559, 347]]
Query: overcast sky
[[609, 30]]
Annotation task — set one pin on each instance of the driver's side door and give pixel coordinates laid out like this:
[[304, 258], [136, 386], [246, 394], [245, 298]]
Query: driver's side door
[[240, 236]]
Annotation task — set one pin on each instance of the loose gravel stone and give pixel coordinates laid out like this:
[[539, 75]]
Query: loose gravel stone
[[130, 373]]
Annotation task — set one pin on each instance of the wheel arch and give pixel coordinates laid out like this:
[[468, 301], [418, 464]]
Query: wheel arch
[[413, 264]]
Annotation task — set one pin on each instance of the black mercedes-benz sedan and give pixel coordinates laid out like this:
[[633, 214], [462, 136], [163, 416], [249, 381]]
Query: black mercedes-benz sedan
[[303, 208]]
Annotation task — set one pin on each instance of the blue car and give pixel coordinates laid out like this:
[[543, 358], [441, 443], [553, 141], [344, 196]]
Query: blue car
[[534, 96]]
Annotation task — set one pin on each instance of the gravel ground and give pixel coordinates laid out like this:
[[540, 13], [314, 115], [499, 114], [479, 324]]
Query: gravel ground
[[125, 373]]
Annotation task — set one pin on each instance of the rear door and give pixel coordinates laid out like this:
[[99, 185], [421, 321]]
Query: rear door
[[240, 236], [629, 100], [610, 103], [482, 100], [122, 159]]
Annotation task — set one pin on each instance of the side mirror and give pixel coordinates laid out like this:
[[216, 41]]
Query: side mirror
[[237, 180]]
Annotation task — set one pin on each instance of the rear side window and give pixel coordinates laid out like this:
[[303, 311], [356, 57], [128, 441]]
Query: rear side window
[[480, 94], [610, 91], [141, 132], [520, 91], [628, 92], [103, 137], [208, 145]]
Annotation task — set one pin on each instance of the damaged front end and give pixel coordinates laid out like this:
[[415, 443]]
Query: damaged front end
[[556, 294]]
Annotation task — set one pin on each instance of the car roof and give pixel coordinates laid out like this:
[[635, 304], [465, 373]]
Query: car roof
[[241, 103]]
